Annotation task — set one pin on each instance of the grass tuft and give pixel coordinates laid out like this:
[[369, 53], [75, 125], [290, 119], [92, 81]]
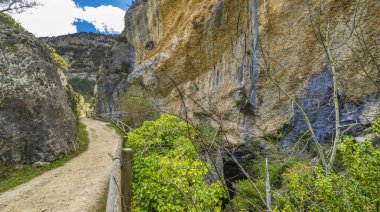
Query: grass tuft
[[117, 130]]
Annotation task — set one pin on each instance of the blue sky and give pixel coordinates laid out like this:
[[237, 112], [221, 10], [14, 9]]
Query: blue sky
[[85, 26], [122, 4], [60, 17]]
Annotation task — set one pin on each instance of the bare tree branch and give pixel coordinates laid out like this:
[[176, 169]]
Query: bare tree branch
[[17, 6]]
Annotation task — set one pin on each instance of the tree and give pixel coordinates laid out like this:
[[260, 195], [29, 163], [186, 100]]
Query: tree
[[16, 6]]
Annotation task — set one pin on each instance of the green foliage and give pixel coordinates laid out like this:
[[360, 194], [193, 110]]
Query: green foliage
[[246, 197], [208, 138], [57, 59], [167, 172], [11, 177], [77, 103], [375, 128], [353, 185], [4, 18], [357, 188], [83, 86], [137, 105], [118, 131]]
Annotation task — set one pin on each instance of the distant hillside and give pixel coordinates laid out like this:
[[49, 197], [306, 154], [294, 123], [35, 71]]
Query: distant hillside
[[84, 52]]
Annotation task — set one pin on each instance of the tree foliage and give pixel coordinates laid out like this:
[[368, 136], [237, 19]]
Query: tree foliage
[[137, 106], [168, 174]]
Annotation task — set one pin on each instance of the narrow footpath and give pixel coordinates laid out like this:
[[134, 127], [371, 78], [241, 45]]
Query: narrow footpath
[[75, 186]]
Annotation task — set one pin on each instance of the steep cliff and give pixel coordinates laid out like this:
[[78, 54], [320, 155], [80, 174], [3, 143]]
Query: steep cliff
[[113, 78], [36, 120], [238, 63], [84, 52]]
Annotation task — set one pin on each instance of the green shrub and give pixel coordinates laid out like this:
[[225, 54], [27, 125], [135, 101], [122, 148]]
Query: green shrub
[[168, 174], [355, 188], [137, 106], [246, 197], [353, 184]]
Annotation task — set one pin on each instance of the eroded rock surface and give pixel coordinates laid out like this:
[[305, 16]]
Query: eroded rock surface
[[36, 119], [220, 53], [83, 51]]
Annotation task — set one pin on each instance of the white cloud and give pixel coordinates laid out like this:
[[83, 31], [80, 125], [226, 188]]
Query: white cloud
[[56, 17], [104, 17]]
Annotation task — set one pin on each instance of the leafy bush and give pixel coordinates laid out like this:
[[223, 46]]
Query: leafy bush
[[137, 105], [353, 185], [375, 128], [246, 197], [356, 188], [167, 172]]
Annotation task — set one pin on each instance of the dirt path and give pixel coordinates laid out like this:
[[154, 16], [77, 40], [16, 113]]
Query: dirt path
[[75, 186]]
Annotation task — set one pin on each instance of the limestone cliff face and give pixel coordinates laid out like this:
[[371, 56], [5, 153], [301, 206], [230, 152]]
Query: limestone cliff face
[[83, 51], [113, 78], [36, 120], [226, 56]]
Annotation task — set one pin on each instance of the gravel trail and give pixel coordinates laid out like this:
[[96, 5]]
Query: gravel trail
[[75, 186]]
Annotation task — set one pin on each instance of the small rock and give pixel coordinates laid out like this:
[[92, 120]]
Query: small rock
[[40, 164], [373, 138], [314, 161]]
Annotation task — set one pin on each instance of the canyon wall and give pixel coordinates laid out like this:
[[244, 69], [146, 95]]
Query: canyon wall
[[83, 51], [36, 119], [236, 64]]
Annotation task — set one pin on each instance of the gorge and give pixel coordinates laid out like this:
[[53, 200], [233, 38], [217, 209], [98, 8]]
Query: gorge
[[243, 98]]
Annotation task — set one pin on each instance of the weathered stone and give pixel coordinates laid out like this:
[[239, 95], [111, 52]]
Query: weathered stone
[[83, 51], [370, 137], [219, 65], [40, 164], [36, 121], [113, 74]]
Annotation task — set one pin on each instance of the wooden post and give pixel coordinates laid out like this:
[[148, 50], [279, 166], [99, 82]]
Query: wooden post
[[126, 180], [113, 199], [267, 185]]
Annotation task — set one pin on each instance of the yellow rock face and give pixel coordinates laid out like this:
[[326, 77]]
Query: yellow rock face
[[203, 49]]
